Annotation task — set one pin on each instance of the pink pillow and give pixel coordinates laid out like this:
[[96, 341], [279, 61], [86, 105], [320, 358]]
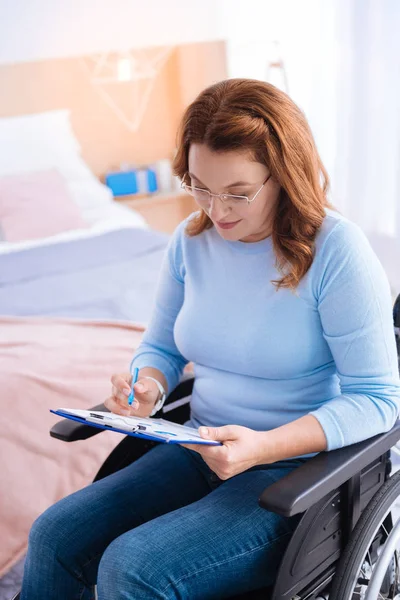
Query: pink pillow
[[36, 205]]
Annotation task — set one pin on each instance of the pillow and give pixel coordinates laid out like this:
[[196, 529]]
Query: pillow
[[36, 205], [46, 141], [89, 195]]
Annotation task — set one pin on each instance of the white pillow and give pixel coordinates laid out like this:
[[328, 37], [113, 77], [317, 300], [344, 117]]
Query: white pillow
[[89, 193], [45, 141]]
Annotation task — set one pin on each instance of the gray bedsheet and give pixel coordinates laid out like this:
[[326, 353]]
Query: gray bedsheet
[[10, 584], [109, 276]]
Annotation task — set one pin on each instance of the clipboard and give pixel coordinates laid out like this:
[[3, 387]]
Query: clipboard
[[158, 430]]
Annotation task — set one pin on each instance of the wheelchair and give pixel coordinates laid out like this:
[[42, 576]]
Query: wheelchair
[[346, 544]]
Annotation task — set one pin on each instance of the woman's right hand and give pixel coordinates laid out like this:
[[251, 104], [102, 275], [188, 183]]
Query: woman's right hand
[[146, 394]]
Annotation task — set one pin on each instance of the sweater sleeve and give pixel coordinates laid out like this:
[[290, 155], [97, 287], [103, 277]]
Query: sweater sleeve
[[158, 348], [355, 308]]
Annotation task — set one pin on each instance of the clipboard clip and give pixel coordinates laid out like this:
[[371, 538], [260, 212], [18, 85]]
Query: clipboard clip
[[95, 418]]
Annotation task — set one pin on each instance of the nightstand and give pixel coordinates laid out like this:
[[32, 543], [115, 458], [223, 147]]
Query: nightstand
[[162, 211]]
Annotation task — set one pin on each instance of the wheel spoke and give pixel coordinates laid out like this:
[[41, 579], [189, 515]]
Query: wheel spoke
[[396, 576], [369, 558], [373, 551]]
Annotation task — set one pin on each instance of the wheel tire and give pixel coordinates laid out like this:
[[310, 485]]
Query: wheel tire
[[361, 538]]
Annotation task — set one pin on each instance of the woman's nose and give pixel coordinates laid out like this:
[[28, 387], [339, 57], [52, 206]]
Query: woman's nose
[[218, 209]]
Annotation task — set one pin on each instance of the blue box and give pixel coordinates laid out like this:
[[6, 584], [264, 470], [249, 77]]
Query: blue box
[[122, 183], [152, 183]]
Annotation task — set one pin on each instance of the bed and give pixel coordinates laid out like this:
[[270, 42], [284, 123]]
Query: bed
[[76, 292]]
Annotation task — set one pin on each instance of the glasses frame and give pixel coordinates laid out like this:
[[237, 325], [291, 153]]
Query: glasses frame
[[223, 197]]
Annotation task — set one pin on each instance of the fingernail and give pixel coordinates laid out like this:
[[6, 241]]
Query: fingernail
[[139, 387], [127, 392], [204, 430], [135, 405]]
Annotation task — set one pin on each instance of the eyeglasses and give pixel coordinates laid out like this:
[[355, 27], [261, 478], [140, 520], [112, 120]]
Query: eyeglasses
[[203, 197]]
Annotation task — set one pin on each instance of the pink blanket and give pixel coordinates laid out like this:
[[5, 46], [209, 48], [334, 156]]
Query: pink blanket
[[50, 363]]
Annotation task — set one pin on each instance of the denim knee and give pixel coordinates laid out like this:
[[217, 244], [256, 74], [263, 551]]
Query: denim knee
[[126, 574], [49, 535], [41, 535]]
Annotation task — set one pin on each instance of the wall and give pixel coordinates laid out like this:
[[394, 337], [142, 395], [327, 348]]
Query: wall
[[306, 33], [42, 29]]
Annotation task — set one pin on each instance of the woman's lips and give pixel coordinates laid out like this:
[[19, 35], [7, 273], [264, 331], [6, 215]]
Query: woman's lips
[[227, 225]]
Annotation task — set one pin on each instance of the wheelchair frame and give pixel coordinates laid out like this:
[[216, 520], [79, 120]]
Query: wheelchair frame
[[331, 491]]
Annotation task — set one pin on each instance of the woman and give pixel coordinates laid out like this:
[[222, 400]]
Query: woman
[[285, 312]]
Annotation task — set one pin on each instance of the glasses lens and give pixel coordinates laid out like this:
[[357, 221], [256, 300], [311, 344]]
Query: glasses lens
[[201, 196], [232, 200]]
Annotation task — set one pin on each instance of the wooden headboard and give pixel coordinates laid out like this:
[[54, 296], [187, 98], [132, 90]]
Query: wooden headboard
[[106, 141]]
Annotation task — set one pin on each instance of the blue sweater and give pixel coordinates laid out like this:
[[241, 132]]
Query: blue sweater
[[263, 358]]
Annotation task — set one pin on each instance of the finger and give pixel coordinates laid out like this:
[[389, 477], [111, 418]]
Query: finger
[[123, 403], [122, 381], [122, 396], [143, 387], [144, 392], [219, 434], [194, 447], [206, 450], [116, 408], [119, 394]]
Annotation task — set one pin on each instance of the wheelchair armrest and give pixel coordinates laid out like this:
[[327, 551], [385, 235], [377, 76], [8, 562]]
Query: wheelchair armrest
[[71, 431], [323, 473]]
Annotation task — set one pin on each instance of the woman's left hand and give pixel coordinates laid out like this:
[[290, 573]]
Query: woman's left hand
[[241, 449]]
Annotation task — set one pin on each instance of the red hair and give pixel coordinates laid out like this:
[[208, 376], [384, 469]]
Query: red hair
[[246, 114]]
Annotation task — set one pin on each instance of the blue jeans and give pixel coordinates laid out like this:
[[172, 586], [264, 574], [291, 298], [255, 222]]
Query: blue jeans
[[165, 527]]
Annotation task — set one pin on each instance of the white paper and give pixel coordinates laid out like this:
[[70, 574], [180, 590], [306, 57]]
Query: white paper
[[158, 428]]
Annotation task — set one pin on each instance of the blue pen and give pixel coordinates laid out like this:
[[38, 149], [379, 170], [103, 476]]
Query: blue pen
[[135, 375]]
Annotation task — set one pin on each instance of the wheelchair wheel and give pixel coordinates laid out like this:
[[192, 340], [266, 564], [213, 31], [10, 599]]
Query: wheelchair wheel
[[364, 559]]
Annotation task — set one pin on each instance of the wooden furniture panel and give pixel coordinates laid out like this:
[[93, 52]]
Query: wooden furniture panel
[[106, 142], [162, 212]]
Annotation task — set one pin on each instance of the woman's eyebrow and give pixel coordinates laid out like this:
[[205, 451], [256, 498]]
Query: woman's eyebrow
[[237, 183]]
